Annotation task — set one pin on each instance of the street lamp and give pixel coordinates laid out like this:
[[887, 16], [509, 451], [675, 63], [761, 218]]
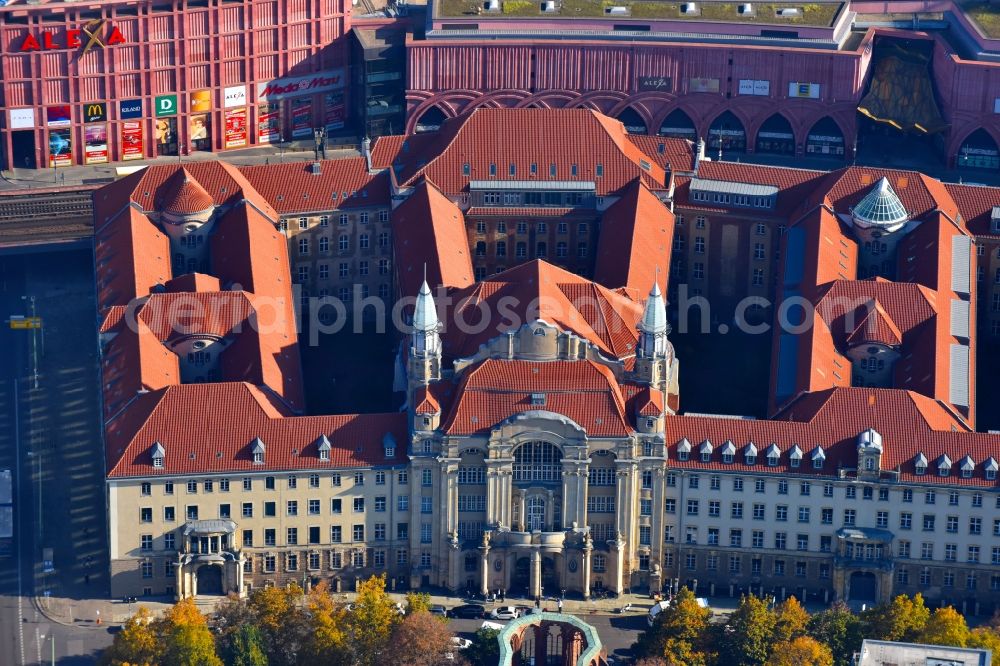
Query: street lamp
[[281, 147], [34, 339]]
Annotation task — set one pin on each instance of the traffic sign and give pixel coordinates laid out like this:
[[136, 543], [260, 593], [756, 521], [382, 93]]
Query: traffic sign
[[19, 322]]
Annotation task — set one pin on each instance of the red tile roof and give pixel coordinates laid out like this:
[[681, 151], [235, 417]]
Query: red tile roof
[[181, 194], [193, 282], [228, 417], [428, 230], [522, 137], [135, 361], [637, 233], [672, 154], [877, 326], [539, 290], [292, 187], [908, 422], [495, 390], [976, 203], [132, 256]]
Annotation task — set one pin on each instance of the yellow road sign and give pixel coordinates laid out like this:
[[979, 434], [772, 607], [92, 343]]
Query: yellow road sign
[[25, 322]]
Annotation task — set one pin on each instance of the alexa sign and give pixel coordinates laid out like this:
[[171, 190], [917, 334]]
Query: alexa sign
[[93, 33]]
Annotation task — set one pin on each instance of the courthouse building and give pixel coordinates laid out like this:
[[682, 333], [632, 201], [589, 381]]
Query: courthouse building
[[547, 448]]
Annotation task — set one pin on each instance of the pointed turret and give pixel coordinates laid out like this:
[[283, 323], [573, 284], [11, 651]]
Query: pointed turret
[[654, 353], [425, 347]]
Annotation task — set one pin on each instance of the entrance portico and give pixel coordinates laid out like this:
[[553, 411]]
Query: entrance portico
[[207, 564]]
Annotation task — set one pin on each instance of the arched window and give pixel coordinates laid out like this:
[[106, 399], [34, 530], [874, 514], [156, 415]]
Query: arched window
[[775, 136], [825, 138], [537, 461], [979, 151], [430, 120], [632, 121], [678, 124], [727, 133]]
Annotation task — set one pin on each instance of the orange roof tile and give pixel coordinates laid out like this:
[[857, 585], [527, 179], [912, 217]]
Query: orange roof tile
[[293, 187], [495, 390], [229, 417], [539, 290], [428, 230], [672, 154], [132, 256], [876, 326], [637, 232], [181, 194]]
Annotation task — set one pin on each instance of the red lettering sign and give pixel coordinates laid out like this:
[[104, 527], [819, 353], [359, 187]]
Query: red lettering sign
[[46, 40]]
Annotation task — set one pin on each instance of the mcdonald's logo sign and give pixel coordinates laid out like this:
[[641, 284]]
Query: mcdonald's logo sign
[[95, 112]]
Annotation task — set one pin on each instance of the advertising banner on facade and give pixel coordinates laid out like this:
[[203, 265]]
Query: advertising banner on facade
[[58, 116], [754, 87], [300, 85], [22, 118], [60, 148], [703, 85], [236, 127], [807, 90], [130, 108], [201, 100], [268, 122], [334, 111], [663, 83], [95, 144], [166, 105], [132, 145], [234, 96], [302, 125], [95, 112]]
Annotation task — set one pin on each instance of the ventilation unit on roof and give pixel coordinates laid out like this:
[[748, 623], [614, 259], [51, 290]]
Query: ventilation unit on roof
[[788, 12], [548, 6], [316, 169], [746, 8], [492, 5], [616, 11], [689, 8]]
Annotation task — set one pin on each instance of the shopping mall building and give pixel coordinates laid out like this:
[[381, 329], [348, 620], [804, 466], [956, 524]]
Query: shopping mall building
[[96, 82]]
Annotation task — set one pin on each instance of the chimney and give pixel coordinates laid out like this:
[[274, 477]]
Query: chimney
[[366, 151], [699, 154], [316, 169]]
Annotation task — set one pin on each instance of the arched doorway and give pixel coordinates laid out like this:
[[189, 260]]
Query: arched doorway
[[430, 120], [679, 125], [979, 151], [863, 587], [520, 580], [776, 137], [632, 121], [209, 579], [727, 133], [825, 138]]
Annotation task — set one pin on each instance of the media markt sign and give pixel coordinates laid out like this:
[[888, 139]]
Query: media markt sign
[[166, 105]]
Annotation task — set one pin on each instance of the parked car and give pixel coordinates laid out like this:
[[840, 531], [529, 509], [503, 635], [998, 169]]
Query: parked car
[[438, 610], [460, 643], [505, 613], [469, 611]]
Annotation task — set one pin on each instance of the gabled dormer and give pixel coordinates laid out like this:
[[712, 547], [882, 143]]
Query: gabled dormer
[[705, 451], [323, 448], [257, 451], [795, 456], [158, 455], [818, 457], [728, 452], [683, 449]]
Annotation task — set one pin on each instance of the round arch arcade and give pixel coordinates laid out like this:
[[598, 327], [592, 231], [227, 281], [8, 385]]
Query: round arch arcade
[[430, 120], [632, 121], [776, 137]]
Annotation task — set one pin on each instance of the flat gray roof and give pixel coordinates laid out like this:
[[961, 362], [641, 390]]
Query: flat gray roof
[[727, 187]]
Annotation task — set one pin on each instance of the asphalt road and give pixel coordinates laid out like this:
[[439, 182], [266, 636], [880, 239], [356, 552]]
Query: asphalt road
[[49, 438]]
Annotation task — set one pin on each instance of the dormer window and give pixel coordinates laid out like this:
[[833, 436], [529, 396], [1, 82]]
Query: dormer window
[[682, 455], [158, 454], [728, 452], [683, 449], [390, 452], [773, 455], [323, 446], [650, 424], [751, 459], [920, 470], [706, 451], [944, 465], [817, 463], [794, 462], [727, 457], [967, 466], [966, 473], [772, 461], [706, 456], [257, 450], [818, 457], [794, 456], [750, 454], [538, 399], [990, 467]]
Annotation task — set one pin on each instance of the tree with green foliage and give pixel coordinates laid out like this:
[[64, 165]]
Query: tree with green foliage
[[246, 647], [371, 622], [677, 632], [136, 644], [325, 643], [417, 601], [485, 649], [946, 626], [790, 621], [840, 630], [800, 651], [746, 640], [902, 619], [186, 638]]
